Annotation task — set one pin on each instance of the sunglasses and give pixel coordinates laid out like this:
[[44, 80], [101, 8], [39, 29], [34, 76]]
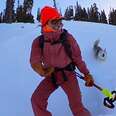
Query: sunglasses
[[56, 21]]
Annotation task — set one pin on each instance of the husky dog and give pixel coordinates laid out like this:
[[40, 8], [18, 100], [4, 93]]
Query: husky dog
[[98, 51]]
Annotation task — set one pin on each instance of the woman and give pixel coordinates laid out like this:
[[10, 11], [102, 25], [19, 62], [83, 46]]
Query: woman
[[56, 66]]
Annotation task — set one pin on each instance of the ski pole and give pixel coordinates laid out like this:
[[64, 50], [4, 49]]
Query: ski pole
[[98, 87], [106, 92], [110, 96]]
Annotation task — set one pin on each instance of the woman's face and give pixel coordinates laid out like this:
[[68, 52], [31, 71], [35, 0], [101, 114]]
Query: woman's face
[[55, 24]]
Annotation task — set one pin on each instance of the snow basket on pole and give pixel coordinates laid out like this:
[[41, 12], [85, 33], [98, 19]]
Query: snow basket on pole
[[108, 102]]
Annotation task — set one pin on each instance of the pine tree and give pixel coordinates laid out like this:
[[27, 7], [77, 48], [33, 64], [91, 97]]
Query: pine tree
[[19, 14], [60, 11], [9, 11], [54, 1], [103, 18], [38, 14], [66, 15], [93, 13], [69, 13], [28, 4], [1, 17], [27, 9], [78, 11], [83, 15], [112, 17]]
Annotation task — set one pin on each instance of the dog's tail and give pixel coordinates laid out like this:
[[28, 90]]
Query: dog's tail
[[95, 46]]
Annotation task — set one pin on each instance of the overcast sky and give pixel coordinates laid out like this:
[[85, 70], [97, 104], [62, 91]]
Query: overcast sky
[[102, 4]]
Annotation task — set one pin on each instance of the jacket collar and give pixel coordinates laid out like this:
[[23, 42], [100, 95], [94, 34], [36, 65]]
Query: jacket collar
[[52, 36]]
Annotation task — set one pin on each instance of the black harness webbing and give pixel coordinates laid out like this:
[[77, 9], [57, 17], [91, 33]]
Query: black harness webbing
[[63, 40]]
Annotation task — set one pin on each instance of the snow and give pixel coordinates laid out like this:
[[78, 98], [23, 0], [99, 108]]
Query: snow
[[18, 81]]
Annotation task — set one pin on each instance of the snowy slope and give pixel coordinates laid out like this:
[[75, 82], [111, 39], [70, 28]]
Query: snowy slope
[[18, 80]]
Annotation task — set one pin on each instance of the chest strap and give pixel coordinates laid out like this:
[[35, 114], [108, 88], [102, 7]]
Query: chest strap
[[67, 47]]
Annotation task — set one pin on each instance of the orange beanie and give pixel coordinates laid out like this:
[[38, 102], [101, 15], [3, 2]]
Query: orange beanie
[[48, 13]]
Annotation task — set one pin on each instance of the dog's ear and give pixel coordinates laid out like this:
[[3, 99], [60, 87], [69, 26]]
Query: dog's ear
[[98, 40], [105, 50]]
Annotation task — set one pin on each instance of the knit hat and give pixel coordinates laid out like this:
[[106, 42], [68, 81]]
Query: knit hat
[[49, 13]]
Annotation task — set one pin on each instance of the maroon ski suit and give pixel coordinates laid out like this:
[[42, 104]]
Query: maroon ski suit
[[55, 56]]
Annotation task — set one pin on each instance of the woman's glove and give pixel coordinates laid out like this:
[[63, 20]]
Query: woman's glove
[[43, 71], [48, 71], [88, 80]]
